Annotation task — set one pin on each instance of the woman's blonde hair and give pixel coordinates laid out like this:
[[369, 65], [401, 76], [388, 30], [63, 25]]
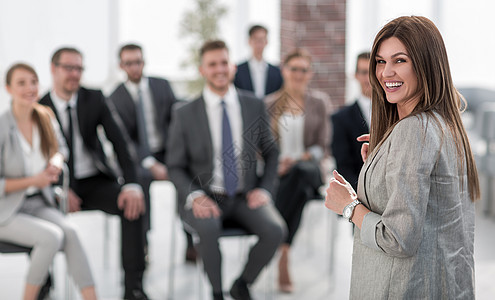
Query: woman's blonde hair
[[42, 115], [436, 90]]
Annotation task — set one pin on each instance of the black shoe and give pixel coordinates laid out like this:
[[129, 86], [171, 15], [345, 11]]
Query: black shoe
[[45, 289], [240, 291], [217, 296], [135, 294], [191, 254]]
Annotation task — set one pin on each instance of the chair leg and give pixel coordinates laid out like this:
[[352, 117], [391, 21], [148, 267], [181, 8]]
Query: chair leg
[[106, 241], [171, 270], [333, 223]]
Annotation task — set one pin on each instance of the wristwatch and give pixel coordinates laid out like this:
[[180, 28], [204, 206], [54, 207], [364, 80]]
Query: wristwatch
[[348, 211]]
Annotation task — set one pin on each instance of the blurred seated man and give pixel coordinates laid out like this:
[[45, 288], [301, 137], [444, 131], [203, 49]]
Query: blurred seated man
[[145, 106], [211, 157], [93, 183]]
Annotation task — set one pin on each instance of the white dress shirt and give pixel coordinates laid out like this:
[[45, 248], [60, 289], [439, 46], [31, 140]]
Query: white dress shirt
[[291, 132], [214, 112], [34, 161], [258, 70], [84, 165]]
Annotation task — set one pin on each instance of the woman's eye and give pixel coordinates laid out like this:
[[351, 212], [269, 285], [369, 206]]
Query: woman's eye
[[400, 60], [380, 61]]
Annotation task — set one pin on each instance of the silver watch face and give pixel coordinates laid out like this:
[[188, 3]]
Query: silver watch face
[[347, 212]]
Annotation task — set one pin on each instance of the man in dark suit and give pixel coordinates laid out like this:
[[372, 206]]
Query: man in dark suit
[[256, 74], [351, 122], [145, 106], [212, 154], [93, 183]]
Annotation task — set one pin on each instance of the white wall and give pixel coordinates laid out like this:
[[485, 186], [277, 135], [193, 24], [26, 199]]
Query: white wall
[[30, 30]]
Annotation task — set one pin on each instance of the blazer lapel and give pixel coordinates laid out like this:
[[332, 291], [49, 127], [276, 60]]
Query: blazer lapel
[[14, 139], [246, 121], [358, 112], [154, 94], [249, 82], [82, 111], [204, 128], [125, 99]]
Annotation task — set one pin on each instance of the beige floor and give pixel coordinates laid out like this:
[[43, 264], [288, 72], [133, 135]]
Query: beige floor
[[310, 258]]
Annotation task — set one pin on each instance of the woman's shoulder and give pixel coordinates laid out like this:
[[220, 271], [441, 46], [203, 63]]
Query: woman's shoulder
[[428, 121], [270, 99], [6, 122], [425, 126], [6, 119], [317, 95], [320, 101]]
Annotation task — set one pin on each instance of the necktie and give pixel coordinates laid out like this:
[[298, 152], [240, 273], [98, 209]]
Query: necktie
[[230, 176], [69, 133], [144, 148]]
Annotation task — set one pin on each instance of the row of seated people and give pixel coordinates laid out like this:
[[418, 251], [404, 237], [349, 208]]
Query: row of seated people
[[220, 147]]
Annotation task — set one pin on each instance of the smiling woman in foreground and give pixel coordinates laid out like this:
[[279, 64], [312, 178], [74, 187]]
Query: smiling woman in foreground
[[414, 206]]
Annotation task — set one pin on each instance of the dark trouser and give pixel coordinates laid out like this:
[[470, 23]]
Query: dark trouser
[[295, 189], [100, 192], [265, 222], [145, 180]]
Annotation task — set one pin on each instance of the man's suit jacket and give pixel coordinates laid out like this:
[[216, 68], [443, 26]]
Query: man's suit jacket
[[190, 150], [93, 111], [243, 80], [163, 98], [12, 166], [348, 124]]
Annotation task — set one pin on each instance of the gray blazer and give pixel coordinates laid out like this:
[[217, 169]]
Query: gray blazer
[[12, 166], [190, 150], [417, 243]]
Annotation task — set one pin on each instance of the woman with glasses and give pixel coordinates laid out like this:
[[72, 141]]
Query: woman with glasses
[[301, 126]]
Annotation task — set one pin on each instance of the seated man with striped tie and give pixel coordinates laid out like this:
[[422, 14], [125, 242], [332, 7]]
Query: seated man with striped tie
[[212, 156]]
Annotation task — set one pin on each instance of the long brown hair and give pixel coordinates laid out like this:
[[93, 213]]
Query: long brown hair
[[42, 116], [283, 97], [436, 90]]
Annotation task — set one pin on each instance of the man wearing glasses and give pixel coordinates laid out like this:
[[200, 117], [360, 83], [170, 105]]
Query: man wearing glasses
[[144, 104], [93, 183]]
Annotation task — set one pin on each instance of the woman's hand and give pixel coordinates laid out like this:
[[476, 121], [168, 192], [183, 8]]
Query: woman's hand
[[365, 146], [284, 165], [46, 177], [339, 193]]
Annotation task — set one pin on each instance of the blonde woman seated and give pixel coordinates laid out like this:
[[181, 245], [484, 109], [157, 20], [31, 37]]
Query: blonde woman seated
[[300, 124], [29, 164]]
